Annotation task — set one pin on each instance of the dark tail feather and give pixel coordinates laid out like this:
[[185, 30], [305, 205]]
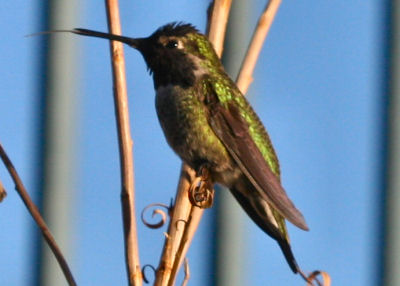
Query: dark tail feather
[[263, 222], [287, 251]]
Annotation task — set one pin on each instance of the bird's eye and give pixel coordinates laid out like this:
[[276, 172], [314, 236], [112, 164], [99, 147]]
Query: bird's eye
[[172, 44]]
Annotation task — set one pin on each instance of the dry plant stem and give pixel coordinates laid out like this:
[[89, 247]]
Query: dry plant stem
[[187, 273], [218, 22], [125, 148], [3, 192], [177, 226], [33, 210], [245, 76], [192, 223]]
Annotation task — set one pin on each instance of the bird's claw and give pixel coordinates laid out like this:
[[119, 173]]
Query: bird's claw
[[201, 193]]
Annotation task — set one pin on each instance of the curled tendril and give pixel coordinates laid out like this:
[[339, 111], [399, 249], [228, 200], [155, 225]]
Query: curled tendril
[[157, 211], [313, 277], [144, 272]]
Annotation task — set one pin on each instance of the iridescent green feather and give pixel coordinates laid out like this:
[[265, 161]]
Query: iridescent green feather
[[226, 92]]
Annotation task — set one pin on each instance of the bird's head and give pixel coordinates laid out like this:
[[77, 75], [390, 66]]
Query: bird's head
[[175, 53]]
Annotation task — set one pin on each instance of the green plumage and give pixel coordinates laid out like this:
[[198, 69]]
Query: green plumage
[[208, 122], [227, 91], [185, 114]]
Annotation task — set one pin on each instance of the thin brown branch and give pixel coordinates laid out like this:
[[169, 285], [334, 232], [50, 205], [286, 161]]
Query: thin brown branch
[[34, 211], [125, 148], [245, 76], [218, 20], [177, 227], [190, 228], [187, 273], [3, 192]]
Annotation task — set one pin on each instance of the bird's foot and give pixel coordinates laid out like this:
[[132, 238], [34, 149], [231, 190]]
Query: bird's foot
[[201, 193]]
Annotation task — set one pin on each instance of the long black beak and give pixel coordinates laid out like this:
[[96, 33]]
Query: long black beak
[[132, 42]]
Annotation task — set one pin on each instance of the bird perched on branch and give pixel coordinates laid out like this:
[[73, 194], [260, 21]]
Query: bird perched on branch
[[210, 124]]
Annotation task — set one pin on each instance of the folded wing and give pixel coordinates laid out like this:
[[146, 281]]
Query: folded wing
[[233, 131]]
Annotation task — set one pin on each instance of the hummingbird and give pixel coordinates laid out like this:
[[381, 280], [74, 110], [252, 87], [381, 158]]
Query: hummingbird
[[208, 122]]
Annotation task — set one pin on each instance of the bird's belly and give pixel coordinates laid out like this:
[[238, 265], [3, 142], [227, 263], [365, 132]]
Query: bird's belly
[[184, 120]]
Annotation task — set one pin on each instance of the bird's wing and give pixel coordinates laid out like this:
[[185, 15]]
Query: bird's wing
[[233, 131]]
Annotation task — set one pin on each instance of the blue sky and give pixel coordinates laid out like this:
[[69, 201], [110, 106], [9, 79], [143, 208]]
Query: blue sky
[[317, 87]]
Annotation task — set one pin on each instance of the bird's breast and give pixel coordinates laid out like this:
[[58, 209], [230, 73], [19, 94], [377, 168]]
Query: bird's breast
[[184, 120]]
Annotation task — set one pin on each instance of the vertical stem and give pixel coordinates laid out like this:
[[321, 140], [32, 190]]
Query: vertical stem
[[192, 222], [176, 229], [245, 76], [217, 24], [125, 148]]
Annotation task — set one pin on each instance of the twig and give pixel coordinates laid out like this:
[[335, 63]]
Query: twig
[[217, 22], [177, 226], [3, 192], [245, 76], [187, 273], [125, 148], [34, 211], [193, 222]]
